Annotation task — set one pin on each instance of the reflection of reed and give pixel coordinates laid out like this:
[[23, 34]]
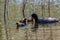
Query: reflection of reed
[[26, 33], [51, 33]]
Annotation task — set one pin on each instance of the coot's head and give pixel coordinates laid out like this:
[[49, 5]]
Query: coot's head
[[34, 16]]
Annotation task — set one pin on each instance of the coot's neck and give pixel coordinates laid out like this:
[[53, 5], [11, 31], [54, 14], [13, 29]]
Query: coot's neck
[[36, 19]]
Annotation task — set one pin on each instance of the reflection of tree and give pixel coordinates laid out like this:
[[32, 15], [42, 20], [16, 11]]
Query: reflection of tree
[[0, 27], [23, 8], [6, 17]]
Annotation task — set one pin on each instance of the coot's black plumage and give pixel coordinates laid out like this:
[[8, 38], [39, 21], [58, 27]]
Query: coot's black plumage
[[44, 20]]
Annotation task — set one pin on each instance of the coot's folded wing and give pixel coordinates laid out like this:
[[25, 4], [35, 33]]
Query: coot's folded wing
[[43, 20], [46, 20]]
